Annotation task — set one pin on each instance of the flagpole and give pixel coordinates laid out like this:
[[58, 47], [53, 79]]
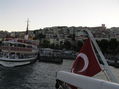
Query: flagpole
[[106, 66]]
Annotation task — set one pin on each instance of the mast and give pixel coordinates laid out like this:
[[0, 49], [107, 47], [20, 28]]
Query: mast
[[27, 28], [106, 66]]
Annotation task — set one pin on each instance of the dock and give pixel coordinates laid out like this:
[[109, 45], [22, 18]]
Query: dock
[[50, 55]]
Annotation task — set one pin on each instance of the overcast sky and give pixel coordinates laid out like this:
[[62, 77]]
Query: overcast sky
[[47, 13]]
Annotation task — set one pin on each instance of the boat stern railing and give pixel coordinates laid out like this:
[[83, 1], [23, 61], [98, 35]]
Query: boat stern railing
[[84, 82]]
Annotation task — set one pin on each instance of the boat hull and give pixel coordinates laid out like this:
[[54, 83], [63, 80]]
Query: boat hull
[[16, 62]]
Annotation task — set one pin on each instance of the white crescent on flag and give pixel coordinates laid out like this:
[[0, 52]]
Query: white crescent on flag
[[86, 61]]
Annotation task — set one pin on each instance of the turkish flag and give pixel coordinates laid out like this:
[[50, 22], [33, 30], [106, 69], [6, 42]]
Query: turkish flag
[[86, 62]]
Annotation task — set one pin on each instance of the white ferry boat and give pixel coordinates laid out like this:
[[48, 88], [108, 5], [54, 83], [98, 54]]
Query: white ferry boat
[[16, 52]]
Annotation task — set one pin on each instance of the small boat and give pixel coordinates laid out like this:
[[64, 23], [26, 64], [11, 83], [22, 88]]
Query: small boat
[[16, 52]]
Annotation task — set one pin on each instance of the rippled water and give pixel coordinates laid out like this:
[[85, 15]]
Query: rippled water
[[35, 76]]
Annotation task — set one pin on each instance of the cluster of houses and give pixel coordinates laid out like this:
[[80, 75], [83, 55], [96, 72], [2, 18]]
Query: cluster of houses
[[59, 34]]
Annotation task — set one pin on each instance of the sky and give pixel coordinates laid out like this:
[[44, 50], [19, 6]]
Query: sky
[[48, 13]]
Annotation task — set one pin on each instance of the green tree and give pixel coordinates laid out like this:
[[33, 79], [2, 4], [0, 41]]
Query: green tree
[[104, 45], [67, 44], [113, 45], [45, 44], [79, 45]]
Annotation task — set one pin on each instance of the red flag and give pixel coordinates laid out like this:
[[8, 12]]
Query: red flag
[[86, 62]]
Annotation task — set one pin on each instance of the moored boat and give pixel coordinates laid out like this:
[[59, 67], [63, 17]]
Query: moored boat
[[15, 52]]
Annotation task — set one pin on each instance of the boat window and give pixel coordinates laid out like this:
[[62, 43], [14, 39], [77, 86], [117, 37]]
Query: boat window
[[12, 45], [24, 46], [0, 43], [29, 46], [20, 45], [12, 55], [5, 44]]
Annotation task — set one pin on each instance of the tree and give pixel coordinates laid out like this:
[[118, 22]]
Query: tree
[[113, 45], [67, 44], [79, 45], [45, 44], [104, 45]]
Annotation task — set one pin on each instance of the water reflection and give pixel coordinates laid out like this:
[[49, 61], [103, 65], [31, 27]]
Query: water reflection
[[15, 78]]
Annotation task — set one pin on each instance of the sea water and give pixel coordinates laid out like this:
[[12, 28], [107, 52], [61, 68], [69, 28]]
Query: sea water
[[36, 76]]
